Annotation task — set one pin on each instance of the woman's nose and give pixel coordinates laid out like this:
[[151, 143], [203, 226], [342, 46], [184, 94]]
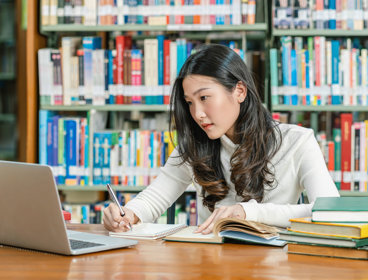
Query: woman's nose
[[199, 113]]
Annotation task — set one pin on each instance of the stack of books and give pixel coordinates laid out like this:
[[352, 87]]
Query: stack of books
[[338, 228]]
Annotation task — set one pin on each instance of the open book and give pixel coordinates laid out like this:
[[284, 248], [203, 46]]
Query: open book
[[231, 228]]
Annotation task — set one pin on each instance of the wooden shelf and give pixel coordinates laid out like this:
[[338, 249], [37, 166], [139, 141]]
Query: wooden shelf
[[101, 188], [146, 27], [329, 108], [130, 107], [115, 188], [320, 32]]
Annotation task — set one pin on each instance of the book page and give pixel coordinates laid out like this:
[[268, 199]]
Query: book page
[[149, 231], [249, 227], [187, 234]]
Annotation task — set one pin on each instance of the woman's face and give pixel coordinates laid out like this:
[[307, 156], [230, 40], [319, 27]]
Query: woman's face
[[212, 106]]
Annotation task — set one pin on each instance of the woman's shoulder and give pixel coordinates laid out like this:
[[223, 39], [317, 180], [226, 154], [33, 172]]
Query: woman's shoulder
[[294, 138], [292, 131]]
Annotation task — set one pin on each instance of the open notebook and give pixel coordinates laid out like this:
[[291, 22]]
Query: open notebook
[[149, 231]]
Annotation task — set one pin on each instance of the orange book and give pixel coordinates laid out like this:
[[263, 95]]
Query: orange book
[[251, 12]]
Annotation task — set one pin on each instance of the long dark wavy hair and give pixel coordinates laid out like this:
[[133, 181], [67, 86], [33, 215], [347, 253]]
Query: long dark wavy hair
[[258, 135]]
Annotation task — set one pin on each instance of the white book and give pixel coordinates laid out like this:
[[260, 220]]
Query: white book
[[45, 76], [173, 62], [322, 47], [345, 71], [364, 54], [329, 62], [69, 46], [98, 74], [149, 231], [363, 160]]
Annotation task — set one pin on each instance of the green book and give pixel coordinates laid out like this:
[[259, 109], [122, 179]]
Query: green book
[[341, 209], [305, 238]]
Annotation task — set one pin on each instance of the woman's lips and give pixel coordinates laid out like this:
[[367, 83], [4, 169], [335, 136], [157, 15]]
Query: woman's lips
[[207, 125]]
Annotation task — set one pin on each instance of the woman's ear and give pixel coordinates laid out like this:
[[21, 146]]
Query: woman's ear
[[240, 91]]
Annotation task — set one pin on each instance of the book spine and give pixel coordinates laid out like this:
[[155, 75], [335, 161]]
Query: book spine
[[346, 123]]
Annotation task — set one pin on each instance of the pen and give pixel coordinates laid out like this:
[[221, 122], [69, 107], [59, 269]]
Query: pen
[[115, 200]]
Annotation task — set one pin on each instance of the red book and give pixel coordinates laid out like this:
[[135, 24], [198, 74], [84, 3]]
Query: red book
[[67, 215], [331, 156], [346, 123], [167, 62], [120, 45]]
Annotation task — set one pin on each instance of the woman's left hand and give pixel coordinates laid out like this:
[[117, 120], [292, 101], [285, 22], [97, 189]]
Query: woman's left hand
[[233, 211]]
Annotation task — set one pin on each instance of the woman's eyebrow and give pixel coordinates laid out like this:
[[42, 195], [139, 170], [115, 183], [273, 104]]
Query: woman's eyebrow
[[196, 92]]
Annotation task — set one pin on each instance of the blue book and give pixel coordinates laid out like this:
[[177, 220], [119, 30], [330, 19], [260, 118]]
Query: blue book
[[71, 150], [55, 146], [87, 151], [286, 71], [160, 39], [106, 138], [335, 48], [49, 142], [307, 82], [43, 116], [274, 79], [97, 165], [332, 8], [110, 76], [294, 77]]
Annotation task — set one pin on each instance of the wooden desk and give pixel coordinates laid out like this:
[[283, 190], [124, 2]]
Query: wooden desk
[[173, 260]]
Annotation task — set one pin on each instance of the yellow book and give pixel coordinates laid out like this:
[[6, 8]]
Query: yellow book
[[351, 230]]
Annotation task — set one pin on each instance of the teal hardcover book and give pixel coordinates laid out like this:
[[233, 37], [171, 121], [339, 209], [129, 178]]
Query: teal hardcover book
[[305, 238], [340, 209]]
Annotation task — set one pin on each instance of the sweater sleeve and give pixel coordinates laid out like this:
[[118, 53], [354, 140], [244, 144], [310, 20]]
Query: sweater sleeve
[[312, 175], [171, 182]]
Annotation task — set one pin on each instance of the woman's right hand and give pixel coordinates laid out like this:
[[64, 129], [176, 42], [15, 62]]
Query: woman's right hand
[[113, 221]]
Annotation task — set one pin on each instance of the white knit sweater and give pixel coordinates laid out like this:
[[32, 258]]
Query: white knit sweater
[[299, 165]]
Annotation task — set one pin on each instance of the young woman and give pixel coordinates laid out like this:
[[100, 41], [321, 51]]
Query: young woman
[[242, 163]]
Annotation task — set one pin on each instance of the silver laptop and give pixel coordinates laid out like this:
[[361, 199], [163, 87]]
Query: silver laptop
[[31, 216]]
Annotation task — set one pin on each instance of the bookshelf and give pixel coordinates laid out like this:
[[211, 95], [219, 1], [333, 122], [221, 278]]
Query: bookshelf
[[311, 55], [242, 34], [8, 100], [145, 27]]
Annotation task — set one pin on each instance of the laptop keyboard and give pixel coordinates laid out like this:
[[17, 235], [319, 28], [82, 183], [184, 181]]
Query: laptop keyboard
[[78, 244]]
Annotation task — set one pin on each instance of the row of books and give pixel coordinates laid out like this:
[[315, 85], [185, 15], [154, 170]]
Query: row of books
[[319, 71], [163, 12], [333, 230], [64, 146], [129, 158], [344, 147], [83, 73], [346, 154], [320, 14]]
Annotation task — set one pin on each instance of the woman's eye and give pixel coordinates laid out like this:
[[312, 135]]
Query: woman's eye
[[189, 103], [203, 98]]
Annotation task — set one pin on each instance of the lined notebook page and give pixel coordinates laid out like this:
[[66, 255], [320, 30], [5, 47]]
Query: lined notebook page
[[149, 231]]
